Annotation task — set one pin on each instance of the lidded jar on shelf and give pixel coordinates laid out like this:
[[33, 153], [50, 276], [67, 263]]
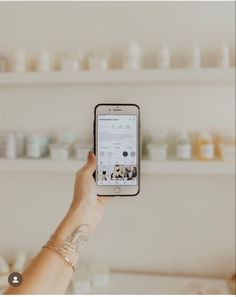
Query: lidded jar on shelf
[[133, 57], [158, 147], [44, 61], [33, 146]]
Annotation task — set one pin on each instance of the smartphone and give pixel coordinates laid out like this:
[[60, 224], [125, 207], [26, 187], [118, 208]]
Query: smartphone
[[117, 147]]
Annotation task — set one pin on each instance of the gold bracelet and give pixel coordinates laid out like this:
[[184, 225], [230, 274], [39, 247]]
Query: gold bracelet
[[69, 248], [62, 248], [62, 256]]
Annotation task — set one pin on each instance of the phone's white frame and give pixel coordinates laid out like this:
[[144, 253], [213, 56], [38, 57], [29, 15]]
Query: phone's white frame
[[119, 109]]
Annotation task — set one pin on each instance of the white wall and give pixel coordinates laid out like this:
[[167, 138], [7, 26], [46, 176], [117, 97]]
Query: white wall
[[179, 224]]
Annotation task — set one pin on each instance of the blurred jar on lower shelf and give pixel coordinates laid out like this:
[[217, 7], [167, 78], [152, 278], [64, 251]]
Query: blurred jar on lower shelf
[[12, 144], [37, 145], [72, 62], [99, 62], [59, 151], [158, 147], [132, 57], [44, 61]]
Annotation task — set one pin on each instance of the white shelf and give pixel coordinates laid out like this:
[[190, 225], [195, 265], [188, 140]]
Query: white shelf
[[141, 283], [147, 167], [178, 75]]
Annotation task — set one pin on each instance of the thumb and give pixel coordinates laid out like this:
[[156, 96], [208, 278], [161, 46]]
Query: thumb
[[91, 163]]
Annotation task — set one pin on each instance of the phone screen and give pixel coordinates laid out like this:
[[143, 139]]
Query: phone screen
[[117, 149]]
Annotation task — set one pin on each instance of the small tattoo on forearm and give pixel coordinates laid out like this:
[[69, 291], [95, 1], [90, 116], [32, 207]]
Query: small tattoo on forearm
[[70, 247], [79, 237]]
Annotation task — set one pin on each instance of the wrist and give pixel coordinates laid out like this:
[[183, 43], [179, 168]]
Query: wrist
[[71, 221]]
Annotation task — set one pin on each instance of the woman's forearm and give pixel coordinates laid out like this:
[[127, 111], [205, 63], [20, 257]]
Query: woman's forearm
[[52, 269], [49, 272]]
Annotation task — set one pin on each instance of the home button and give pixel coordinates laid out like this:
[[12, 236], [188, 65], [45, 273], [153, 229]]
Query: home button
[[117, 190]]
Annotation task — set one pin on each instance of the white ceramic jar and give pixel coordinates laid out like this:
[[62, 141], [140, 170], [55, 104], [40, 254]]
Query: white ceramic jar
[[44, 61], [133, 57], [98, 63], [59, 151], [33, 146]]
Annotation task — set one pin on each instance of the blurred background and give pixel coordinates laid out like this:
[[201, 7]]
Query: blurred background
[[176, 61]]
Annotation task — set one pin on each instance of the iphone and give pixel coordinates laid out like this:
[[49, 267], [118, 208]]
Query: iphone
[[117, 147]]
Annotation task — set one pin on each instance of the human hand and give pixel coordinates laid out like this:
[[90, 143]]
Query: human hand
[[86, 205]]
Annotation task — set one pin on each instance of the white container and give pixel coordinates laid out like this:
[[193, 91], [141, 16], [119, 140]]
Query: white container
[[59, 151], [164, 57], [10, 146], [183, 147], [157, 152], [44, 61], [98, 63], [224, 56], [195, 57], [158, 148], [19, 60], [68, 64], [33, 146], [81, 150], [133, 57], [80, 58]]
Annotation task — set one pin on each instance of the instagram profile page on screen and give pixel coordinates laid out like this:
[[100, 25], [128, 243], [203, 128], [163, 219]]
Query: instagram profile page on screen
[[117, 150]]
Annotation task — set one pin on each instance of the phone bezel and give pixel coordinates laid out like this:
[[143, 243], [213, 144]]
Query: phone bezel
[[118, 108]]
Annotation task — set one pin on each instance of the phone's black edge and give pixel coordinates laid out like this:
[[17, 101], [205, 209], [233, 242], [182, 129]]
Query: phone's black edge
[[139, 137], [116, 104]]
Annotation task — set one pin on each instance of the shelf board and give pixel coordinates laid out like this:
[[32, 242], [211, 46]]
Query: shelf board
[[147, 167], [177, 75]]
